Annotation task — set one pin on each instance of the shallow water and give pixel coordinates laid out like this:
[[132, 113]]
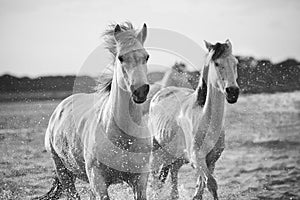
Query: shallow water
[[261, 159]]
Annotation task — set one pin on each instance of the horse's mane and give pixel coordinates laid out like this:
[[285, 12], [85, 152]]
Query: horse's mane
[[105, 80], [109, 40], [202, 92]]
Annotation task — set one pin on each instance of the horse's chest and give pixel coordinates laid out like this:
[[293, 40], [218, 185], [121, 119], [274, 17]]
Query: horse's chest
[[129, 143], [120, 151]]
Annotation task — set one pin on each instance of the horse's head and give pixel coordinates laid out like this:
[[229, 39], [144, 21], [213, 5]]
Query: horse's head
[[223, 69], [132, 62]]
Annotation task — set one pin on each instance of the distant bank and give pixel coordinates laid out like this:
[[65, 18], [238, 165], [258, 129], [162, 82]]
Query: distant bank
[[255, 76]]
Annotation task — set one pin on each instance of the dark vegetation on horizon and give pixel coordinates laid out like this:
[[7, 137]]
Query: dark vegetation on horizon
[[255, 76]]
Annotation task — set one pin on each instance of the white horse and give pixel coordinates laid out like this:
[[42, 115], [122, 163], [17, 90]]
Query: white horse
[[187, 125], [100, 137], [177, 76]]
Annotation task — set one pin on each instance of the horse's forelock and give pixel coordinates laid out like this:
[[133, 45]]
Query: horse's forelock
[[220, 50]]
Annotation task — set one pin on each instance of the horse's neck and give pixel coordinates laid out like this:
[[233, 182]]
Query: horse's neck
[[214, 107], [211, 103], [124, 113]]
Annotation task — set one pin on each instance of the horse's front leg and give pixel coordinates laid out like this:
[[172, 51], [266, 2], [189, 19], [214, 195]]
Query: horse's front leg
[[155, 165], [202, 176], [199, 188], [140, 188], [97, 183], [174, 177], [211, 160], [159, 168]]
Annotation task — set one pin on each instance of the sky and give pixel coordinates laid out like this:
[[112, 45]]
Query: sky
[[41, 37]]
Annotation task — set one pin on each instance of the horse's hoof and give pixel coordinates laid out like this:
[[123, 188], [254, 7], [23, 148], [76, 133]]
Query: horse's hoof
[[197, 198], [105, 197]]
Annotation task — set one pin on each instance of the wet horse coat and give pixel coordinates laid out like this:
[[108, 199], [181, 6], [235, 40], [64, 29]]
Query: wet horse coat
[[188, 124], [100, 137]]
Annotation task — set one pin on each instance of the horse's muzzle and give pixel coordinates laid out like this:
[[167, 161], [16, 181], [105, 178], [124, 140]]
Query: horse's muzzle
[[232, 94], [140, 94]]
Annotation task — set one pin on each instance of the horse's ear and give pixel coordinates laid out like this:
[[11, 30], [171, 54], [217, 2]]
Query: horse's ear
[[117, 30], [208, 45], [142, 34], [228, 43]]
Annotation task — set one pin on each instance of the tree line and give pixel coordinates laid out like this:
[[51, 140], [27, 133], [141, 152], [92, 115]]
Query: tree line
[[255, 76]]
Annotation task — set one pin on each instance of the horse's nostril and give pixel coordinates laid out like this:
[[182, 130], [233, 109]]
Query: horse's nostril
[[227, 90], [142, 91], [233, 91], [146, 89]]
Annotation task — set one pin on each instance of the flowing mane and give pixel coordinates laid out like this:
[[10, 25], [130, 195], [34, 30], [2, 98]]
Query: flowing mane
[[126, 39], [104, 81]]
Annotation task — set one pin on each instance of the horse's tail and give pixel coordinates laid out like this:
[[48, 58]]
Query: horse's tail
[[55, 191]]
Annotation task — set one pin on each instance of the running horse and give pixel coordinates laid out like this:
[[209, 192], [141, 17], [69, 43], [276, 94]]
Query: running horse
[[100, 137], [188, 125]]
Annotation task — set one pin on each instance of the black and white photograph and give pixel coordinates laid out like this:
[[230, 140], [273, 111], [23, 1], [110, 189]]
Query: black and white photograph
[[150, 100]]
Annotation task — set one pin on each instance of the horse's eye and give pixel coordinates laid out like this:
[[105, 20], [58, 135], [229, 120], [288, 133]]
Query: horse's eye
[[121, 59], [217, 64]]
